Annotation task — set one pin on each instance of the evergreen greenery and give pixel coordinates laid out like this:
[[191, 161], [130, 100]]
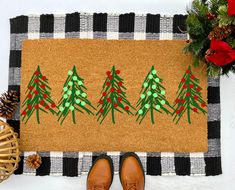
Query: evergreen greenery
[[203, 18]]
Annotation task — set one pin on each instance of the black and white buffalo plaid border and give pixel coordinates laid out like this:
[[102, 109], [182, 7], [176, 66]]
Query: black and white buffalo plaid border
[[113, 26]]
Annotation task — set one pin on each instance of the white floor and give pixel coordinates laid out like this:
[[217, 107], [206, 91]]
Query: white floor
[[11, 8]]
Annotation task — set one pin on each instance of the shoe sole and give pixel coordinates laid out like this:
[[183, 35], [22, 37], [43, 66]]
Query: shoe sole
[[110, 163], [126, 155]]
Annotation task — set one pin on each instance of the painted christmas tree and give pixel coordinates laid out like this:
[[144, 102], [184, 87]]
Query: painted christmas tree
[[113, 97], [189, 97], [152, 98], [38, 97], [74, 98]]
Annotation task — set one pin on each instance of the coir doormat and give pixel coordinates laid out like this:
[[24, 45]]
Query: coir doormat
[[111, 95], [113, 26]]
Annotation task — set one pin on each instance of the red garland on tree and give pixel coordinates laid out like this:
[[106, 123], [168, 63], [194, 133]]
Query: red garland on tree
[[38, 97], [113, 96], [189, 97]]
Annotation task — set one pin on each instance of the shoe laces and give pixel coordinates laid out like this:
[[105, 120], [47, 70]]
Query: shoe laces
[[131, 186]]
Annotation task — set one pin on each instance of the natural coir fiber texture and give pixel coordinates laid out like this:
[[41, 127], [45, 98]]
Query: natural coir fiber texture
[[92, 59]]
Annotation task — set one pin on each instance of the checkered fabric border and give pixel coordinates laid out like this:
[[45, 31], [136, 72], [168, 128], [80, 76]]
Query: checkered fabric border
[[113, 26]]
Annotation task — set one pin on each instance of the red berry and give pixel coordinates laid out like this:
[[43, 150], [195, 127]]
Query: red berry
[[126, 108], [115, 105], [101, 110], [47, 107], [195, 97], [177, 100], [42, 86], [192, 77], [44, 95], [101, 101], [191, 86], [198, 89], [183, 80], [44, 78], [203, 105], [187, 94], [36, 106], [30, 88], [185, 86], [29, 107], [177, 111], [119, 83], [119, 91], [35, 91], [112, 89], [42, 102], [118, 72], [107, 83], [195, 109], [108, 99], [181, 107], [108, 73], [182, 100], [119, 99], [36, 73], [104, 94], [188, 71], [23, 113], [53, 105], [110, 77], [36, 80], [29, 96]]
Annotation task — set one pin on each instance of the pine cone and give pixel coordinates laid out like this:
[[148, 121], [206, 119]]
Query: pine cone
[[34, 161], [8, 103], [220, 33]]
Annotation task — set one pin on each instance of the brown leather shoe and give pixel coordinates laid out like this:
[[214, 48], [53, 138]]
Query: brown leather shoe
[[131, 172], [100, 176]]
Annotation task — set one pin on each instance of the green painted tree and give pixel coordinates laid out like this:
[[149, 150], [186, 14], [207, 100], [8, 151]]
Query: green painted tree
[[74, 98], [38, 97], [189, 97], [152, 98], [113, 97]]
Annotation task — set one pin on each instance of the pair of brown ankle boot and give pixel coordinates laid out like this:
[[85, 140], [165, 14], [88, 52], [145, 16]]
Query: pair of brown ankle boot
[[131, 173]]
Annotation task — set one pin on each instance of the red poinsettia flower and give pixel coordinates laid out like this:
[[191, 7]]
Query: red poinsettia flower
[[224, 53], [231, 7]]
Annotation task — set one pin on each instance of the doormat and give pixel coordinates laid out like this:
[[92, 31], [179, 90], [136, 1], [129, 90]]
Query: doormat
[[114, 26], [111, 95]]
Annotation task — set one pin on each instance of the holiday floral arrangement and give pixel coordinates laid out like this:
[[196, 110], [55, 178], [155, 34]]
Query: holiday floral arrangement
[[211, 27]]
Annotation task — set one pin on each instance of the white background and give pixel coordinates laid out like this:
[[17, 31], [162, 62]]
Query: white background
[[12, 8]]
